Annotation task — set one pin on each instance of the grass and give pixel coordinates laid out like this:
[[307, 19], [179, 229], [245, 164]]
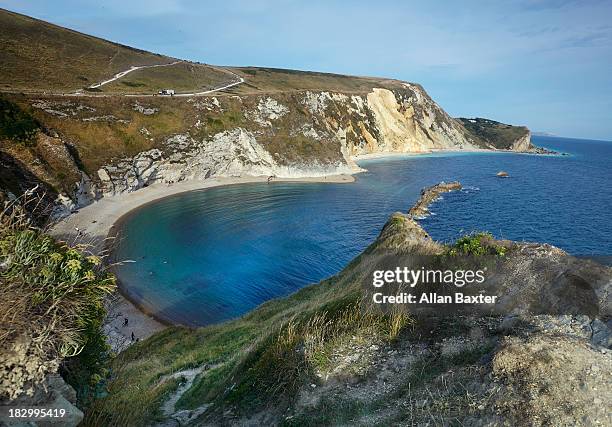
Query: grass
[[280, 80], [17, 124], [490, 132], [182, 77], [37, 55], [51, 308]]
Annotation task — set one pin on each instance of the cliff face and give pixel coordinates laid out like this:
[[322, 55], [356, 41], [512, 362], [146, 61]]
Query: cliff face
[[496, 135], [91, 147], [88, 141]]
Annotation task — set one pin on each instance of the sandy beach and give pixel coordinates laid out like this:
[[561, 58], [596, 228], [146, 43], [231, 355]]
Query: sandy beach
[[92, 225], [387, 154]]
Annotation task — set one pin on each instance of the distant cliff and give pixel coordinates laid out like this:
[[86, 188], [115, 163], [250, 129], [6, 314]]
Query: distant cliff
[[78, 140], [89, 147], [498, 135]]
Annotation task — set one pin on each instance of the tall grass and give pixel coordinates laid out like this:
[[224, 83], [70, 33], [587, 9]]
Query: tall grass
[[51, 304], [262, 359]]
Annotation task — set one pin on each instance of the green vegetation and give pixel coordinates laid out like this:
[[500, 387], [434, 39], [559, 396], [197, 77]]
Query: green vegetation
[[301, 149], [272, 80], [477, 244], [51, 303], [489, 132], [16, 124], [260, 359]]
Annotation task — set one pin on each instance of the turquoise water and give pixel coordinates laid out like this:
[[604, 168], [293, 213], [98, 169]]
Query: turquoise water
[[207, 256]]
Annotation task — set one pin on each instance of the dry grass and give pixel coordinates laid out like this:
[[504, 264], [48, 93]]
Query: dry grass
[[182, 77], [36, 55], [51, 298], [271, 80]]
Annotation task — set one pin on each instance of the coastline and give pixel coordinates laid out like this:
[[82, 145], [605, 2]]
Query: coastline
[[395, 154], [95, 224], [388, 155]]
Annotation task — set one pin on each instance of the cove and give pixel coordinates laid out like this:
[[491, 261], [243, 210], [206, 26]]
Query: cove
[[210, 255]]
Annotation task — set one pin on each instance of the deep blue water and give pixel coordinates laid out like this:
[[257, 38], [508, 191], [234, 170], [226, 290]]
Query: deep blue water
[[206, 256]]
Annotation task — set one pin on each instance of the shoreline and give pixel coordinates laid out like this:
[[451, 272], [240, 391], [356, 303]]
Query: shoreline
[[395, 154], [96, 223]]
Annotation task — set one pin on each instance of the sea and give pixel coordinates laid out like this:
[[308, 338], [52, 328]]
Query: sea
[[207, 256]]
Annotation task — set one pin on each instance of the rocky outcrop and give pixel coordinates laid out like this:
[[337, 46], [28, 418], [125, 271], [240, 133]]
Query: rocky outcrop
[[429, 194], [284, 134], [522, 144], [500, 136], [53, 395], [517, 368], [228, 153]]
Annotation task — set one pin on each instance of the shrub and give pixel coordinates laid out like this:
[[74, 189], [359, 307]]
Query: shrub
[[476, 244], [51, 307], [17, 124]]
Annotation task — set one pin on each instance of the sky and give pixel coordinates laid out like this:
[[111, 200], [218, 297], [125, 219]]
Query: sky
[[546, 64]]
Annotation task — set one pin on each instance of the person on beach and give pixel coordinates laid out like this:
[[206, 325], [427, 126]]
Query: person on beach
[[133, 337]]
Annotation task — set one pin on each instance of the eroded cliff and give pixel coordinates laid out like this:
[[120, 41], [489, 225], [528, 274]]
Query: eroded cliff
[[91, 147]]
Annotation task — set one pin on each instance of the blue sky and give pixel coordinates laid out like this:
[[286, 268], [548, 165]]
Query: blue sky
[[546, 64]]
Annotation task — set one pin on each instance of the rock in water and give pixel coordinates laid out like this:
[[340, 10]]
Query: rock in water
[[429, 194]]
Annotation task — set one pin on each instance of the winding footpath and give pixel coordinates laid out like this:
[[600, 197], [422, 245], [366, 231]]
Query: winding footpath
[[135, 68], [126, 72], [206, 92]]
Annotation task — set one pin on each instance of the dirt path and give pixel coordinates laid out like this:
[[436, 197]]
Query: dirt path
[[135, 68], [126, 72]]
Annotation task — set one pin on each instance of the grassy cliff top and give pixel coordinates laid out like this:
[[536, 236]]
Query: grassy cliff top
[[261, 79], [490, 132], [36, 55]]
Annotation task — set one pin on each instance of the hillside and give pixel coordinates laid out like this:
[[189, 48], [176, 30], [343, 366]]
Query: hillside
[[325, 356], [38, 56], [104, 141], [496, 134], [271, 80]]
